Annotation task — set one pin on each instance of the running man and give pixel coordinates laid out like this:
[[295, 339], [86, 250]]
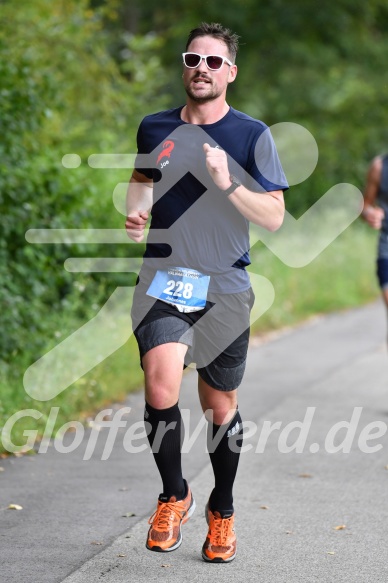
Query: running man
[[203, 171], [375, 213]]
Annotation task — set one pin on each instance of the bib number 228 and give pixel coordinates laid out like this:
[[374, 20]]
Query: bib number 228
[[179, 289], [180, 286]]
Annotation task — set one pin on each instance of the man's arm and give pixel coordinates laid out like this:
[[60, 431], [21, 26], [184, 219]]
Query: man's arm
[[266, 210], [263, 209], [372, 214], [139, 203]]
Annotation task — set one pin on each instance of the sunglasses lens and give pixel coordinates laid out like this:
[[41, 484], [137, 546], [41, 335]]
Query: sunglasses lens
[[214, 62], [192, 60]]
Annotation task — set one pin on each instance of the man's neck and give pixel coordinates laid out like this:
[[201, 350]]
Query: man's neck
[[204, 113]]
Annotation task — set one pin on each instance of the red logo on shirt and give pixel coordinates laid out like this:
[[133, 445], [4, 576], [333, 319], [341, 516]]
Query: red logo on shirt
[[168, 147]]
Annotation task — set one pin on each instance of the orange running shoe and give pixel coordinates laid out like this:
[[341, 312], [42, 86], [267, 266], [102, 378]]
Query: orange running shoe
[[165, 533], [220, 543]]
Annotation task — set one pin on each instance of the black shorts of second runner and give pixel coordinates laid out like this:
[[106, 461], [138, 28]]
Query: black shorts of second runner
[[382, 272], [217, 336]]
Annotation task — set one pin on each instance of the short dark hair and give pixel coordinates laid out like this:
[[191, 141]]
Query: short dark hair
[[216, 30]]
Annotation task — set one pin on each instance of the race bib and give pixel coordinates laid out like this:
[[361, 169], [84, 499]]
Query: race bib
[[184, 288]]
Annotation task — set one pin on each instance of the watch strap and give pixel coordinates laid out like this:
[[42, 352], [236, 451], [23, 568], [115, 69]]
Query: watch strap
[[235, 184]]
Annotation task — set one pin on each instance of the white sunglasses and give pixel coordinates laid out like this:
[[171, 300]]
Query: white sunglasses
[[213, 62]]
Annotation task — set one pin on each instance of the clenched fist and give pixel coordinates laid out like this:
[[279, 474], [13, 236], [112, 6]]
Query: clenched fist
[[374, 216], [135, 225], [217, 165]]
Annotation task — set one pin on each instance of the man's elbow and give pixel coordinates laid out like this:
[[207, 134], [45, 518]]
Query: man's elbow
[[276, 220], [275, 223]]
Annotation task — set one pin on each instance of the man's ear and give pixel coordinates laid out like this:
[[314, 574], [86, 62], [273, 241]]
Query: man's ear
[[232, 73]]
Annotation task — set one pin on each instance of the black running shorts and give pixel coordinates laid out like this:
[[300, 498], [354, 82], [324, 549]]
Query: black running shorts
[[217, 336]]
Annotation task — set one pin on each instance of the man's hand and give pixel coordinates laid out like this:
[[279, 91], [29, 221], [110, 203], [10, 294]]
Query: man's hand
[[135, 225], [217, 165], [139, 203], [374, 216]]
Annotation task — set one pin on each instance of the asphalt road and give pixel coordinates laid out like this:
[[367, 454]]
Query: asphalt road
[[311, 491]]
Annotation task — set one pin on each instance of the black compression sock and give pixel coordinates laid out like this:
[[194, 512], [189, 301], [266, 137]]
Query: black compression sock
[[224, 450], [165, 434]]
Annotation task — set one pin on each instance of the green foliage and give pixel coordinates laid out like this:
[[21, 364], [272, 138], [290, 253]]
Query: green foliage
[[60, 92]]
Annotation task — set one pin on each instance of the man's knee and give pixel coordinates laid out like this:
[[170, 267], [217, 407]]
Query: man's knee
[[219, 406]]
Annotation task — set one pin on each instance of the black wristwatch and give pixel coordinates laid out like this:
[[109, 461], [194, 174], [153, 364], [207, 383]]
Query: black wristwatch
[[236, 182]]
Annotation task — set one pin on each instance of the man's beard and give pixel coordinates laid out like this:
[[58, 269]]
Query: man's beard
[[210, 96]]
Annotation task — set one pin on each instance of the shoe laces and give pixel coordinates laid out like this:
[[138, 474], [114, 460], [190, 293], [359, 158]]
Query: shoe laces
[[163, 517], [221, 529]]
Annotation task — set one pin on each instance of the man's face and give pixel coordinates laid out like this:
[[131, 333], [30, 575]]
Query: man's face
[[202, 84]]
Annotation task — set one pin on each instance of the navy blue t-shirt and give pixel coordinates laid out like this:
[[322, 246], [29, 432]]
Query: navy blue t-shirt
[[193, 223]]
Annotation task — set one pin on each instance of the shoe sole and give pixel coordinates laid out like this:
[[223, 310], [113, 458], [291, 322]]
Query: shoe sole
[[218, 559], [178, 543]]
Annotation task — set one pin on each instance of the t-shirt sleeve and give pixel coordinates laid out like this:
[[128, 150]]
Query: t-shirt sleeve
[[264, 165], [142, 148]]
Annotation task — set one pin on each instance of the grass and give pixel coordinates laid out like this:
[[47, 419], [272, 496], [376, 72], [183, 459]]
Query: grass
[[341, 277]]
